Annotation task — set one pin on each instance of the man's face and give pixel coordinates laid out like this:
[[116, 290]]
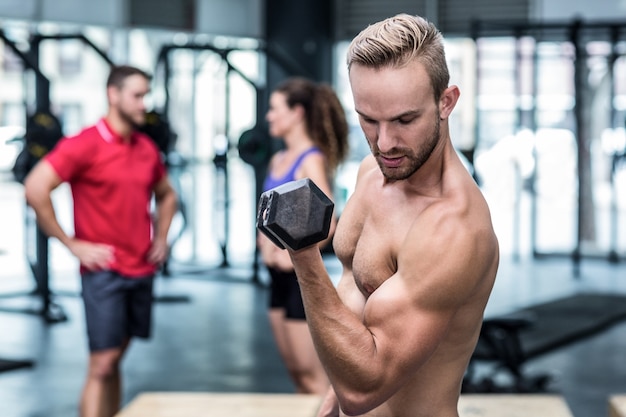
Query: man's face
[[399, 116], [129, 99]]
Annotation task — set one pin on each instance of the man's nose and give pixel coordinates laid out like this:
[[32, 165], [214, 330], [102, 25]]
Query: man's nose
[[386, 139]]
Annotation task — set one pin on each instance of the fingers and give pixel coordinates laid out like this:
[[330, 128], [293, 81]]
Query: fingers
[[100, 257], [93, 256], [96, 256], [158, 253]]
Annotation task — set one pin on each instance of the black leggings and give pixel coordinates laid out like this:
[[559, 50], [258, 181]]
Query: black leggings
[[285, 293]]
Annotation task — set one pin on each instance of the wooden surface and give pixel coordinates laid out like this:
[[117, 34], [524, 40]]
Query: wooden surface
[[511, 405], [617, 406], [176, 404]]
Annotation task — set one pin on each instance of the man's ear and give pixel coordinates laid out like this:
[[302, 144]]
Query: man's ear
[[448, 101], [112, 94]]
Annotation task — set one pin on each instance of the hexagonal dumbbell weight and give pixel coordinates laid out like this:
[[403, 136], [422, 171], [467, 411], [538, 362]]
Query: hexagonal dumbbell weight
[[295, 215]]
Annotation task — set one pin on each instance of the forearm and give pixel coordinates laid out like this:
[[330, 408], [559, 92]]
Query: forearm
[[38, 187], [344, 344], [47, 219], [166, 207]]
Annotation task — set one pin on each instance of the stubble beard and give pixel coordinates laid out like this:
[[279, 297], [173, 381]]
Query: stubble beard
[[413, 159], [132, 119]]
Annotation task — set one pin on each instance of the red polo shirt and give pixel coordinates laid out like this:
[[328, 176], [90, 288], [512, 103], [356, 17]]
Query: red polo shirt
[[111, 183]]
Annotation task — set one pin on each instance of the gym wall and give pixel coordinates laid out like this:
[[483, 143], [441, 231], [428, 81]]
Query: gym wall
[[247, 18]]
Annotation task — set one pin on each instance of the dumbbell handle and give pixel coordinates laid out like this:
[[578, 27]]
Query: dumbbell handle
[[263, 217]]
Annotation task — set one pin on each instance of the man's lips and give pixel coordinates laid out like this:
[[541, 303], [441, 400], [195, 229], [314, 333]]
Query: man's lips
[[391, 162]]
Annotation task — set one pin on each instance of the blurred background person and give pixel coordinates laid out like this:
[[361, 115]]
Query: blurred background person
[[311, 121]]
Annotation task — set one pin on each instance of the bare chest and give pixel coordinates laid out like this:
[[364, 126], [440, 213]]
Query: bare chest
[[370, 248]]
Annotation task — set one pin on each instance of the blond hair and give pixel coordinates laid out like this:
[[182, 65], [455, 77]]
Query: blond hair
[[399, 40]]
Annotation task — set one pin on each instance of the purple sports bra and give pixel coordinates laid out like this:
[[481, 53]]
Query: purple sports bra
[[272, 182]]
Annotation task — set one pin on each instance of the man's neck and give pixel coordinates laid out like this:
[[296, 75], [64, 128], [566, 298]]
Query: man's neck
[[120, 126]]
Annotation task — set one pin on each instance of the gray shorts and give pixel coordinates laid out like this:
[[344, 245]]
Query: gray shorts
[[116, 308]]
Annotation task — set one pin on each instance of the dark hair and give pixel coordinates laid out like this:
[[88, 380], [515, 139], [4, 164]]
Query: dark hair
[[324, 114], [119, 73]]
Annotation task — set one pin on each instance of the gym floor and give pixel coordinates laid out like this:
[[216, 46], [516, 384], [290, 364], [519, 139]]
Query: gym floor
[[211, 331]]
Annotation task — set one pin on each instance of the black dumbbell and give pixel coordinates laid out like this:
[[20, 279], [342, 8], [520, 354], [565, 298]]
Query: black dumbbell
[[295, 215]]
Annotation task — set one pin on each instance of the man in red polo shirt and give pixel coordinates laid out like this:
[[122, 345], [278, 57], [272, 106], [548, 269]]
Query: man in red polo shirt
[[114, 172]]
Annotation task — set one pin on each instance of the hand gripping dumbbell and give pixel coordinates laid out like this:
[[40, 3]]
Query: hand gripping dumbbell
[[295, 215]]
